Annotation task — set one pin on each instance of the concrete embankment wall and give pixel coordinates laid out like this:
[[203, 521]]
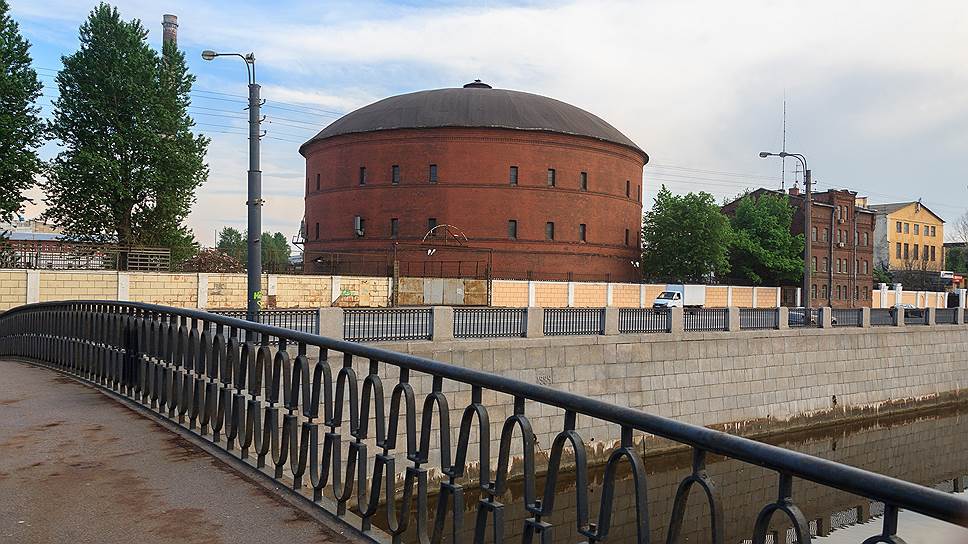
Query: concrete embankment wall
[[744, 382]]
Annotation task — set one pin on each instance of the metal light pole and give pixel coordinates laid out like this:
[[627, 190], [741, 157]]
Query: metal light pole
[[807, 219], [254, 203]]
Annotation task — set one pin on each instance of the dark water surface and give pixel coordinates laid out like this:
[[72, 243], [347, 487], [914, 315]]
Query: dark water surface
[[925, 448]]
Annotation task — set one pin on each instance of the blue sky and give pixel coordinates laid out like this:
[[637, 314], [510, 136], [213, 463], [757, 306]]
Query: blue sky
[[876, 90]]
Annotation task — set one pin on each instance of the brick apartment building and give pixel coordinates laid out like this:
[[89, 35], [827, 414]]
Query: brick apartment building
[[842, 245]]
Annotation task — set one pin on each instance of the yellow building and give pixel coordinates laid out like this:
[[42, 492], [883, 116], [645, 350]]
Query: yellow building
[[908, 237]]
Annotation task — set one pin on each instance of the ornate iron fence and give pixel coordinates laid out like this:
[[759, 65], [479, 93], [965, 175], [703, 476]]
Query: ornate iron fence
[[635, 320], [387, 324], [946, 316], [490, 322], [706, 319], [295, 416], [294, 320], [847, 317], [881, 317], [560, 321], [915, 316], [803, 317], [759, 318]]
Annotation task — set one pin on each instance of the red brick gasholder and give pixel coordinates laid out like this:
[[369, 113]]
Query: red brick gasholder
[[545, 189]]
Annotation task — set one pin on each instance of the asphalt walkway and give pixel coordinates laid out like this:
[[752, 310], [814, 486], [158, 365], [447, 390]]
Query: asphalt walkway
[[77, 466]]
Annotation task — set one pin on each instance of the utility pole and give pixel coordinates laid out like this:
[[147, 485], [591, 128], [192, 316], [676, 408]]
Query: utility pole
[[254, 202], [807, 207]]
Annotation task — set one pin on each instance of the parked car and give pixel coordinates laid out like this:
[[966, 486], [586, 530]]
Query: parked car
[[798, 318], [910, 310]]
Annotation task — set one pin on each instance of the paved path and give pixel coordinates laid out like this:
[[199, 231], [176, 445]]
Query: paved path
[[77, 466]]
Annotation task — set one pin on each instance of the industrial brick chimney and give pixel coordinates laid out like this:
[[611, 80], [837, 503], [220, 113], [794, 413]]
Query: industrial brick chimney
[[170, 25]]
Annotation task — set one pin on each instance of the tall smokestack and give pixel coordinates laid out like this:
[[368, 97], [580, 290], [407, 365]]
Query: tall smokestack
[[170, 25]]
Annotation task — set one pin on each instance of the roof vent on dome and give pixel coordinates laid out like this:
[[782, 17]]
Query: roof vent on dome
[[477, 84]]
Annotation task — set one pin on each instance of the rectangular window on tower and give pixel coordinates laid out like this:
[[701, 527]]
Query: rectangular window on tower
[[513, 229], [626, 236], [628, 188], [395, 174], [583, 181], [513, 175], [433, 173], [867, 239], [394, 227], [362, 175], [317, 182], [814, 234], [551, 177], [431, 223], [581, 232], [549, 231], [317, 231]]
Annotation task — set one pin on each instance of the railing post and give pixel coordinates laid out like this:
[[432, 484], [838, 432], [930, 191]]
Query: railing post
[[535, 322], [931, 317], [865, 317], [677, 320], [898, 316], [611, 321], [783, 318], [960, 316], [330, 322], [732, 319], [826, 317], [443, 323]]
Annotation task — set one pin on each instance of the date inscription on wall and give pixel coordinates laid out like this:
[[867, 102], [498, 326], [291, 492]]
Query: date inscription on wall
[[544, 377]]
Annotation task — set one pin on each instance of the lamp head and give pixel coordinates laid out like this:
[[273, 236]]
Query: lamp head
[[765, 154], [208, 54]]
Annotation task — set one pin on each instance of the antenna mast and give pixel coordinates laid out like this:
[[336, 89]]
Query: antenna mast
[[783, 148]]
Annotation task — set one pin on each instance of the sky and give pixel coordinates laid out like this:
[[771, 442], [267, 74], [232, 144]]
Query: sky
[[875, 90]]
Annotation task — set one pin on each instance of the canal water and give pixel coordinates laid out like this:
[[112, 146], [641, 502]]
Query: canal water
[[925, 448]]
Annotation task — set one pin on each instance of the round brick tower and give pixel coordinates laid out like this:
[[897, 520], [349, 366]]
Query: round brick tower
[[529, 186]]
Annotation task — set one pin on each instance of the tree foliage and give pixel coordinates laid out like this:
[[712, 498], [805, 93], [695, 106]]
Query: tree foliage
[[275, 248], [764, 249], [130, 164], [21, 129], [685, 238]]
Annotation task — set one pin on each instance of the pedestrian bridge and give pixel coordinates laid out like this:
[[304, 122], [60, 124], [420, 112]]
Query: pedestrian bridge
[[364, 439]]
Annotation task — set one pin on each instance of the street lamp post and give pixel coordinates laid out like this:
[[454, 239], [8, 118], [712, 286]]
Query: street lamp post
[[807, 219], [254, 202]]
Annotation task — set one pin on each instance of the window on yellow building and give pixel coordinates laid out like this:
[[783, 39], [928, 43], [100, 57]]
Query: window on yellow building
[[898, 226], [933, 254], [907, 228], [917, 229], [898, 250]]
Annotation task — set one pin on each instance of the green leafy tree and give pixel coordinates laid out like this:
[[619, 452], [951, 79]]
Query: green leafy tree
[[232, 243], [131, 164], [21, 129], [275, 248], [685, 238], [881, 275], [763, 248]]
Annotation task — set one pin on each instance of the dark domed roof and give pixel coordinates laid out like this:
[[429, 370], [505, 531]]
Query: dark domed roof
[[475, 105]]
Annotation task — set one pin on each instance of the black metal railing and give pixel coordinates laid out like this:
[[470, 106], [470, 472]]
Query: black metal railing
[[490, 322], [561, 321], [759, 318], [706, 319], [847, 317], [803, 317], [302, 410], [295, 320], [637, 320], [915, 316], [882, 317], [946, 316], [387, 324]]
